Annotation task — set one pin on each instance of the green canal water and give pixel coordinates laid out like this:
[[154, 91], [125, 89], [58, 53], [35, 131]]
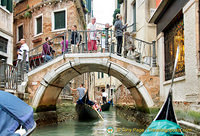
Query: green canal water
[[110, 126]]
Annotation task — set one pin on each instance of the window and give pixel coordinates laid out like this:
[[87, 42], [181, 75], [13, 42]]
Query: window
[[98, 75], [89, 5], [102, 75], [3, 44], [134, 17], [20, 32], [59, 20], [173, 37], [38, 25], [3, 57], [7, 3]]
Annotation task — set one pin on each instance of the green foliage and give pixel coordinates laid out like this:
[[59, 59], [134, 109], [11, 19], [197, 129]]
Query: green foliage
[[117, 11], [190, 116], [27, 14], [27, 6]]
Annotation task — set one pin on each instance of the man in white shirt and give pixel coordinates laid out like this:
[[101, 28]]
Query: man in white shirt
[[20, 52], [92, 36], [104, 96]]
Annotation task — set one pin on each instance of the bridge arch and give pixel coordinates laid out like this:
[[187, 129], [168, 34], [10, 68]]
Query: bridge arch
[[51, 85]]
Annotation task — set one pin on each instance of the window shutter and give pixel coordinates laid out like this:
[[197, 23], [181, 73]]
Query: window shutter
[[102, 75], [59, 18], [3, 44], [39, 25], [3, 2], [20, 32], [9, 5], [89, 5]]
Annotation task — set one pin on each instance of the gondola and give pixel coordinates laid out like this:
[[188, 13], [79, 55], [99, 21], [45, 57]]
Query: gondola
[[165, 123], [85, 111], [105, 107], [16, 117]]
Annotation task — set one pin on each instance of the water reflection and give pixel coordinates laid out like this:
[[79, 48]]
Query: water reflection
[[92, 128]]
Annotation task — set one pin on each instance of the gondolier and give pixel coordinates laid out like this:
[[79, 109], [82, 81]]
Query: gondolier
[[81, 91], [104, 96]]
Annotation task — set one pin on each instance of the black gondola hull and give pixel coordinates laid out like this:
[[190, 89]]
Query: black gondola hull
[[86, 112], [105, 107]]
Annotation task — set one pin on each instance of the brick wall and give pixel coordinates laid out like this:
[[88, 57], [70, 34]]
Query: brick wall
[[73, 18]]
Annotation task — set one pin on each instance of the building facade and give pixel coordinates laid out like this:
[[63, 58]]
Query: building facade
[[6, 31], [35, 20], [136, 13], [178, 25]]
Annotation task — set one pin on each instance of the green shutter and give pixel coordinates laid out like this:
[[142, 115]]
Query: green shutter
[[39, 25], [9, 6], [102, 75], [59, 19], [3, 2], [118, 5], [20, 33], [89, 5]]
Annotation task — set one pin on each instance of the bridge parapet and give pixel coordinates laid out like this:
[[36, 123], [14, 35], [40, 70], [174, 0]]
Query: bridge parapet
[[60, 45]]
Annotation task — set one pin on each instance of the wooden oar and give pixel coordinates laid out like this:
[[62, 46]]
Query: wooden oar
[[98, 114]]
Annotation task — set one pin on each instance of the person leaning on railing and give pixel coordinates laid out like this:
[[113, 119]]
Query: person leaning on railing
[[64, 46], [47, 50], [75, 39], [20, 52], [119, 33]]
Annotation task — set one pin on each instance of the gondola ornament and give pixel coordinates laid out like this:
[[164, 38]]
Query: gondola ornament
[[165, 123]]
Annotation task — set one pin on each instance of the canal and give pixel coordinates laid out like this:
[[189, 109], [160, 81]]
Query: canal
[[111, 124]]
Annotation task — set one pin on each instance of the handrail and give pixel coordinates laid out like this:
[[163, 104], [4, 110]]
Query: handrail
[[139, 50]]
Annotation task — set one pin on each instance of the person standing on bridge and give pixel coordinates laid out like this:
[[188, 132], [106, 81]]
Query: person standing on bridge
[[119, 33], [75, 39], [20, 52], [64, 45], [92, 36], [46, 52]]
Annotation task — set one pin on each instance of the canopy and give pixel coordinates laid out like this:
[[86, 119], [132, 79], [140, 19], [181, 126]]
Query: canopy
[[13, 113], [163, 128]]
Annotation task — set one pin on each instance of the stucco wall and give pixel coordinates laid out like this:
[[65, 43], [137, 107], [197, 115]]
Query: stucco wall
[[186, 87], [6, 31]]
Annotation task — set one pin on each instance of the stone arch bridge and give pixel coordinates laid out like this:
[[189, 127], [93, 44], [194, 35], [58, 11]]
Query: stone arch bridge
[[46, 82]]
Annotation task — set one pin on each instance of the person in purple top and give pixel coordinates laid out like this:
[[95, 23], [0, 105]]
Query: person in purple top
[[46, 52], [64, 50]]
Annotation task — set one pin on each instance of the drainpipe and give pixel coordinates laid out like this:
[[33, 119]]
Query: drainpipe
[[125, 20], [125, 14], [154, 54], [199, 33]]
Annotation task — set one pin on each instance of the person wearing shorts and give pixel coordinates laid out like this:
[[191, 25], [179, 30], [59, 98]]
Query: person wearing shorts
[[92, 36]]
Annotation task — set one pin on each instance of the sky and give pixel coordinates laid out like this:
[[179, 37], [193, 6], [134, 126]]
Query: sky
[[103, 10]]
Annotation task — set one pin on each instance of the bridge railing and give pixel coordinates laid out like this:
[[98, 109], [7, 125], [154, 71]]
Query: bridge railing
[[12, 75], [8, 76], [71, 42]]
